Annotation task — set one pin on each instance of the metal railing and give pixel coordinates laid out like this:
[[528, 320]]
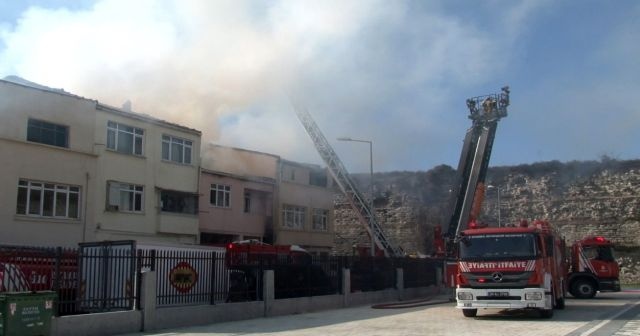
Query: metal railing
[[103, 277]]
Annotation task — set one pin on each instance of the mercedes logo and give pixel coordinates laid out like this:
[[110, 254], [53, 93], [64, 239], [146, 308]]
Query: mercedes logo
[[497, 276]]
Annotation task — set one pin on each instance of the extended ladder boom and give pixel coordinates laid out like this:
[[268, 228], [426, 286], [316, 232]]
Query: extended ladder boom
[[468, 191], [341, 176]]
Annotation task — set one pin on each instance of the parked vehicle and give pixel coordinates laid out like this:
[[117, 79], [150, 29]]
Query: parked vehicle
[[294, 273], [511, 268], [593, 268]]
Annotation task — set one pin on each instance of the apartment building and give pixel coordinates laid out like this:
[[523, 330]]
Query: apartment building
[[306, 215], [79, 170], [238, 189], [249, 194], [48, 166]]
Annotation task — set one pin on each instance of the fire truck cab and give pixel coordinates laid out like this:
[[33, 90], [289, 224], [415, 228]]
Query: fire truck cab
[[511, 268], [593, 268]]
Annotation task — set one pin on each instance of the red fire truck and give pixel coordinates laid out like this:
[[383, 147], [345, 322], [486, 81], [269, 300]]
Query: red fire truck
[[593, 268], [511, 268], [294, 273], [504, 267]]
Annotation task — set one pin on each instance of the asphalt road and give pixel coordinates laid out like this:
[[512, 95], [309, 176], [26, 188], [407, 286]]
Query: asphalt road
[[608, 314]]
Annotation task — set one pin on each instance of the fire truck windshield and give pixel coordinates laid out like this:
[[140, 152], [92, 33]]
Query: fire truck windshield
[[498, 246], [604, 253]]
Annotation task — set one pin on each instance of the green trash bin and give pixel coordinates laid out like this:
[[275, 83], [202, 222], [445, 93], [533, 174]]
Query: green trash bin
[[26, 314]]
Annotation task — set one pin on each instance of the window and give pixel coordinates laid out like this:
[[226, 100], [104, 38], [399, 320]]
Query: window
[[320, 217], [498, 246], [124, 139], [125, 197], [176, 149], [247, 202], [47, 133], [293, 217], [48, 199], [318, 178], [220, 195], [178, 202]]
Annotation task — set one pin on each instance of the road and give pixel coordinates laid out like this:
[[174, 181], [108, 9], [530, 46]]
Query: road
[[608, 314]]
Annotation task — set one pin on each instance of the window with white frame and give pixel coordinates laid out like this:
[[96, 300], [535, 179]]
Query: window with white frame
[[220, 195], [320, 217], [125, 197], [293, 217], [176, 149], [48, 199], [124, 139]]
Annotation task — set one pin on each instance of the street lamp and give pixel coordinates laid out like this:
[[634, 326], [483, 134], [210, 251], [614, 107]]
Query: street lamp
[[373, 246], [498, 190]]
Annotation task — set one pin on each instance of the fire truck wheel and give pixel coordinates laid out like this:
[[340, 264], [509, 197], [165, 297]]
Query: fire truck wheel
[[583, 289], [469, 312], [546, 313], [560, 303]]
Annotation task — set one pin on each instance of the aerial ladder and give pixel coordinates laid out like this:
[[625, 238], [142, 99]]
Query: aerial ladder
[[352, 194], [469, 188]]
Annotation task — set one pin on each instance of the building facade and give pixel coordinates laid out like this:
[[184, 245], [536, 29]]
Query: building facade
[[48, 166], [293, 201], [306, 207], [76, 170], [238, 189], [84, 171]]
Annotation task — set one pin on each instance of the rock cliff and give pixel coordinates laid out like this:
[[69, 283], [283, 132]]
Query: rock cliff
[[580, 198]]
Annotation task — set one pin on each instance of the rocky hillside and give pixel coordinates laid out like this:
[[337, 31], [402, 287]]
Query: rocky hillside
[[581, 198]]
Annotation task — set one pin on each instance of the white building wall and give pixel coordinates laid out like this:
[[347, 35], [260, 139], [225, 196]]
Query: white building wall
[[88, 164], [150, 171], [21, 159]]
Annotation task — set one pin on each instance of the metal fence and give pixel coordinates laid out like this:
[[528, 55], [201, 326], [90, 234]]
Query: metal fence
[[107, 276], [188, 277], [420, 272], [317, 276], [371, 273]]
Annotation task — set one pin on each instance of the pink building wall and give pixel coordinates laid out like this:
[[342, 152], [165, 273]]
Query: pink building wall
[[233, 220]]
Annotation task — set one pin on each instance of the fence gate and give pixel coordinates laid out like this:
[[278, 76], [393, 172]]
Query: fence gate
[[107, 276]]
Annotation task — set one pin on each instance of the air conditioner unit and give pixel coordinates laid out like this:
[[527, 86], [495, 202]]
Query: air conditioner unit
[[112, 207]]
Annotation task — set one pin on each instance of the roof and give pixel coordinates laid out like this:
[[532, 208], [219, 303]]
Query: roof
[[145, 117], [303, 165], [249, 178], [19, 81], [243, 150]]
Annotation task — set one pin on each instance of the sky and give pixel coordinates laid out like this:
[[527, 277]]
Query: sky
[[396, 73]]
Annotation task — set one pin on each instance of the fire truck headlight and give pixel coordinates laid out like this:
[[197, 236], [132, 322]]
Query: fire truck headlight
[[465, 296], [533, 296]]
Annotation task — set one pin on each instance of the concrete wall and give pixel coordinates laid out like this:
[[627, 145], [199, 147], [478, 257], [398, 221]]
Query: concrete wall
[[97, 324], [200, 315], [154, 318], [306, 304]]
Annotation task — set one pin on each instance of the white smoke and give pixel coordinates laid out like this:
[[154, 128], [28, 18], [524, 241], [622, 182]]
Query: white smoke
[[389, 71]]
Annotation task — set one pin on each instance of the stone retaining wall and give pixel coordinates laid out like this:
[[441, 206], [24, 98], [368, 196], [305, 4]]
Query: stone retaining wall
[[581, 199]]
